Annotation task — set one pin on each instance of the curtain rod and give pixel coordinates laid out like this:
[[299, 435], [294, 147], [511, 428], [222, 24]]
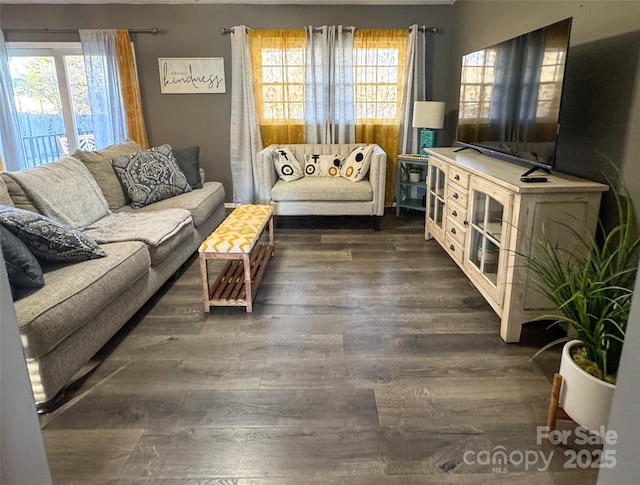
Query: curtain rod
[[153, 31], [432, 30]]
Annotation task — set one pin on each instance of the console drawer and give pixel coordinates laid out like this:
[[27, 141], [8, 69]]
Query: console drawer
[[453, 248], [459, 177], [458, 195], [455, 231], [457, 212]]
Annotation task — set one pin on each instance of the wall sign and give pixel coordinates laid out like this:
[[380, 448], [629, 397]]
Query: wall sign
[[190, 75]]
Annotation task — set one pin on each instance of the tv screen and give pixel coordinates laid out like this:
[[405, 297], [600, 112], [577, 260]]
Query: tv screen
[[510, 96]]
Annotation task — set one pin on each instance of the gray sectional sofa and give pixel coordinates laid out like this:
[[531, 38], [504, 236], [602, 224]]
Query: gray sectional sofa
[[82, 305], [327, 196]]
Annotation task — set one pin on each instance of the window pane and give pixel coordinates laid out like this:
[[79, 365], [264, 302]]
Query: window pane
[[80, 106], [39, 108]]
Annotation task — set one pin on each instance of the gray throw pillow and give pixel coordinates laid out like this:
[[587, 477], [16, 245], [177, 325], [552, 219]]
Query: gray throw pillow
[[23, 268], [188, 160], [150, 175], [48, 239]]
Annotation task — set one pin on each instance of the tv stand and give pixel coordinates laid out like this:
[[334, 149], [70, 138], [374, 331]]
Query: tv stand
[[534, 169], [486, 218], [467, 148]]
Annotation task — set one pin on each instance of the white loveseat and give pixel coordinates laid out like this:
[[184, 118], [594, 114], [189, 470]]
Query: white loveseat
[[323, 196]]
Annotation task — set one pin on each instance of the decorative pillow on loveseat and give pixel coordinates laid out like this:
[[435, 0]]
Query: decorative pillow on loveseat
[[151, 175], [287, 166], [48, 239], [322, 165], [356, 166]]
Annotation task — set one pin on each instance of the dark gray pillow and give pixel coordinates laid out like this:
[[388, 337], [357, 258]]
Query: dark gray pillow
[[188, 159], [48, 239], [23, 268], [150, 175]]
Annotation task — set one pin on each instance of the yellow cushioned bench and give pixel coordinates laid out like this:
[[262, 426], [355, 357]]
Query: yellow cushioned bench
[[236, 240]]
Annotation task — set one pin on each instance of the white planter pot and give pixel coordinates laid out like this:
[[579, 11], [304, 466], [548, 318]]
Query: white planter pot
[[584, 397], [414, 177]]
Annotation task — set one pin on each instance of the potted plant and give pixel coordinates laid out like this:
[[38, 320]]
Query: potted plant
[[592, 286], [415, 173]]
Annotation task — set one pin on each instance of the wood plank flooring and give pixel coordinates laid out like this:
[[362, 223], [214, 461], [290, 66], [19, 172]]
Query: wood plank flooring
[[369, 359]]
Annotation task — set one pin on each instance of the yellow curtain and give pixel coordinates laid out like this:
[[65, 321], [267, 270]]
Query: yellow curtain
[[379, 54], [277, 57], [136, 129]]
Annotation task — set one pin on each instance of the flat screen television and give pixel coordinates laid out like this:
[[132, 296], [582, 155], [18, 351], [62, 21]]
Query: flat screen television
[[510, 96]]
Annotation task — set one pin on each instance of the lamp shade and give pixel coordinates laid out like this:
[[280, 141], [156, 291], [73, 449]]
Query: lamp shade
[[428, 114]]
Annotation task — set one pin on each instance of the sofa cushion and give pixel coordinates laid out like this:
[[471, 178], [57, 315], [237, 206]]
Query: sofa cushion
[[150, 175], [317, 165], [5, 198], [23, 268], [356, 166], [188, 159], [287, 165], [161, 232], [200, 203], [65, 191], [99, 164], [48, 239], [72, 294], [19, 197], [323, 189]]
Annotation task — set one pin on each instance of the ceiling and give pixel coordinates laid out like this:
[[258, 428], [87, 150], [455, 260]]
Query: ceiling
[[256, 2]]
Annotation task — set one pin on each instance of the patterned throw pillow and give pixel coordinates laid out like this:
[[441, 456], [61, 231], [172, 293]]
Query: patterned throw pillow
[[323, 165], [23, 268], [287, 166], [48, 239], [150, 175], [357, 164]]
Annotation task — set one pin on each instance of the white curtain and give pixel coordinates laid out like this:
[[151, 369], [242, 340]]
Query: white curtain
[[103, 82], [246, 140], [415, 88], [329, 86], [10, 138]]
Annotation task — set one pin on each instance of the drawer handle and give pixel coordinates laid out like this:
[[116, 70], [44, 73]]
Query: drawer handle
[[452, 247], [455, 195], [466, 223], [453, 230], [457, 177], [454, 213]]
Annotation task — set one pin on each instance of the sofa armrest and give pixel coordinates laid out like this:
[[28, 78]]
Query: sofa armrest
[[264, 174], [377, 178]]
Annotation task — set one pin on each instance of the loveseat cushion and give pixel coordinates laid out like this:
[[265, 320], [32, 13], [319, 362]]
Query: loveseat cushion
[[65, 191], [99, 164], [200, 203], [162, 232], [72, 294], [323, 189]]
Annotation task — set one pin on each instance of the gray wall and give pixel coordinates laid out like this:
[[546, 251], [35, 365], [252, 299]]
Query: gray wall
[[194, 31]]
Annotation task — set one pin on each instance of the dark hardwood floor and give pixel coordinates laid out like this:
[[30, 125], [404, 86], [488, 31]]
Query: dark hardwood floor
[[369, 359]]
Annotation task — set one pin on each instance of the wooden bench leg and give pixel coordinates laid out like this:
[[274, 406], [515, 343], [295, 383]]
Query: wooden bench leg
[[246, 260], [205, 282]]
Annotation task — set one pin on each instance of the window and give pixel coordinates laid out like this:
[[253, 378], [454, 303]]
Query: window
[[278, 57], [51, 98], [476, 87], [379, 74]]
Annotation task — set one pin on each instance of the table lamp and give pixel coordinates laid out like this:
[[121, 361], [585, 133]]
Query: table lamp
[[428, 116]]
